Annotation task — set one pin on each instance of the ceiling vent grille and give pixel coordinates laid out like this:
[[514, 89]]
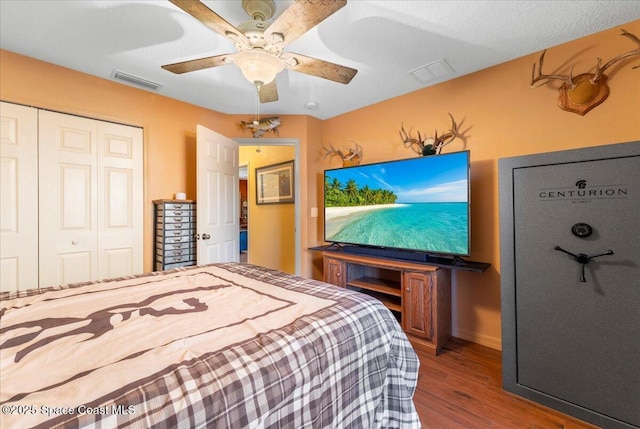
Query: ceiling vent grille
[[431, 72], [135, 80]]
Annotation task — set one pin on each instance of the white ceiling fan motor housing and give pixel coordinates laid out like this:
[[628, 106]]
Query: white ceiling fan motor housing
[[259, 10]]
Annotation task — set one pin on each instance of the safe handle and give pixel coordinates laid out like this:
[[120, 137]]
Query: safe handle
[[583, 259]]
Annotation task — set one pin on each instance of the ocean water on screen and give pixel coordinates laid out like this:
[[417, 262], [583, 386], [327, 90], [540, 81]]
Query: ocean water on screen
[[434, 227]]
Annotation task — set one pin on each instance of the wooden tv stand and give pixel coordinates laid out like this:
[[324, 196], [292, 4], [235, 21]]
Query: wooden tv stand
[[418, 294]]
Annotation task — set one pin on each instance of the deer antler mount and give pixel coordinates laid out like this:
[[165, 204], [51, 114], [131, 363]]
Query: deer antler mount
[[581, 93], [349, 158], [429, 145]]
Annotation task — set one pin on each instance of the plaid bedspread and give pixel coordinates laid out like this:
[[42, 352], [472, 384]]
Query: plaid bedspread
[[217, 346]]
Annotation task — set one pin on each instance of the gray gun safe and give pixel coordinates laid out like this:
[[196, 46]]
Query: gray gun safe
[[570, 281]]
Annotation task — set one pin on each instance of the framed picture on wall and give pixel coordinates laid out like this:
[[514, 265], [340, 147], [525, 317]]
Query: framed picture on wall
[[274, 184]]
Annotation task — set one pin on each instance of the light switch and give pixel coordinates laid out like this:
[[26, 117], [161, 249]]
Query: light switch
[[314, 211]]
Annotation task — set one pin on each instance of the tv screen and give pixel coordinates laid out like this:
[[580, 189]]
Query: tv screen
[[417, 204]]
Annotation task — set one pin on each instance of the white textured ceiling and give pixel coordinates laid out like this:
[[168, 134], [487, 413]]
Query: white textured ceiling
[[383, 40]]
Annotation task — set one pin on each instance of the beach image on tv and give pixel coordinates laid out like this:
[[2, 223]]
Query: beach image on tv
[[419, 204]]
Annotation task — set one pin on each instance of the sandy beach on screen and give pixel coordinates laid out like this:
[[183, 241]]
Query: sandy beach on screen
[[336, 212]]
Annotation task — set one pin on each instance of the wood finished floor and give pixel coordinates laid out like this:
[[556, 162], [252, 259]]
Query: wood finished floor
[[462, 388]]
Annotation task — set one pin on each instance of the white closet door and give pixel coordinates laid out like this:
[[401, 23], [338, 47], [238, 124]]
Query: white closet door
[[120, 217], [90, 199], [68, 199], [18, 197]]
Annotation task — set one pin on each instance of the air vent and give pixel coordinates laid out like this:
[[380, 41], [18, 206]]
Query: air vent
[[135, 80], [434, 71]]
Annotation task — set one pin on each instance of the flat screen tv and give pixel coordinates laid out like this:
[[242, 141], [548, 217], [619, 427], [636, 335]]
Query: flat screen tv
[[418, 205]]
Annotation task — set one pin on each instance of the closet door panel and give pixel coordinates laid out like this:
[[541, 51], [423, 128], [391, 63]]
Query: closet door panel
[[18, 197], [75, 197], [68, 192], [75, 267], [118, 262], [120, 229]]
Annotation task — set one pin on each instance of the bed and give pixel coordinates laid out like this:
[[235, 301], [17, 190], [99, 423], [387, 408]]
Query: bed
[[216, 346]]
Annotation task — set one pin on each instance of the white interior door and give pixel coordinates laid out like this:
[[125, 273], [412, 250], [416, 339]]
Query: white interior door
[[217, 197], [68, 219], [120, 189], [18, 197]]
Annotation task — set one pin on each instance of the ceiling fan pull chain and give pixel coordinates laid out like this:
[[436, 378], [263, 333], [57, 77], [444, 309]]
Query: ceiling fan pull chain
[[256, 121]]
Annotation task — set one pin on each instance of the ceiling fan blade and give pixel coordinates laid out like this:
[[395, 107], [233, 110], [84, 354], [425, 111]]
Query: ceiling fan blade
[[268, 92], [315, 67], [199, 64], [211, 19], [301, 17]]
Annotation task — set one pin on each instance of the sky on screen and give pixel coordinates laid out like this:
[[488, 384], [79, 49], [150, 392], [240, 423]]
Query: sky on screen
[[436, 178]]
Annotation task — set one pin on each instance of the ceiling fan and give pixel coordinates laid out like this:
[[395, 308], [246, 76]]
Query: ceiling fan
[[260, 46]]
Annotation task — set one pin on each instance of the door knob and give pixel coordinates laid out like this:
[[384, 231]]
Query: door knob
[[74, 242], [206, 236]]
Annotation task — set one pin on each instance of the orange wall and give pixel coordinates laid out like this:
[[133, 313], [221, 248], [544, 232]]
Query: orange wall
[[500, 116], [498, 113]]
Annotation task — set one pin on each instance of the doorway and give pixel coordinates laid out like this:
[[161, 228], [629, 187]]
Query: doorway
[[243, 177], [273, 244]]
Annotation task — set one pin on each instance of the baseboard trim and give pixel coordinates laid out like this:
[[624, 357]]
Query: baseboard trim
[[483, 340]]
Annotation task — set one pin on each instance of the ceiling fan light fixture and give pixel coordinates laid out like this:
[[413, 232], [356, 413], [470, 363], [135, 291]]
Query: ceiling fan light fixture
[[258, 66]]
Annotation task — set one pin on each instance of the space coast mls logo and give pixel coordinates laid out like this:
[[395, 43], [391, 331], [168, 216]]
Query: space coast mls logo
[[584, 191]]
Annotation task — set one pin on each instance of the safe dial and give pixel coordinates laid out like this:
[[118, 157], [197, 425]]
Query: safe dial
[[582, 230]]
